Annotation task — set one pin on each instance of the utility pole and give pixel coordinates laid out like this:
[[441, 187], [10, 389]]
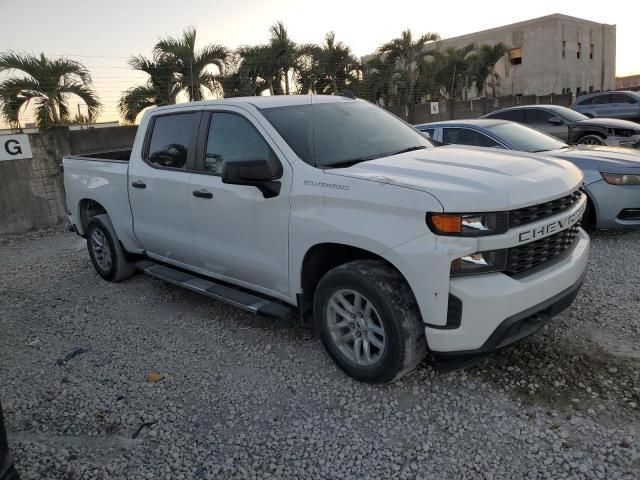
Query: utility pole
[[191, 76]]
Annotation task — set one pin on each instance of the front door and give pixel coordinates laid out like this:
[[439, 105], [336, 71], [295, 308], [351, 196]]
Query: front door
[[239, 235], [159, 188], [542, 120]]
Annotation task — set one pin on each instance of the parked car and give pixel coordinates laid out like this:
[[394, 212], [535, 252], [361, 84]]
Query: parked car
[[611, 175], [573, 127], [7, 470], [336, 207], [622, 104]]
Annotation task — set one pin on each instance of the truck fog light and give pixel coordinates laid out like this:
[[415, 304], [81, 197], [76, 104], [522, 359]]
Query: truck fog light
[[480, 262]]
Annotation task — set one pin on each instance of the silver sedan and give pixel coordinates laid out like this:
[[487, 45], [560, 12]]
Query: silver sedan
[[611, 175]]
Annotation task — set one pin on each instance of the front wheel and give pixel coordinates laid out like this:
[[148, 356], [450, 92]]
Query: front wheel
[[107, 255], [591, 139], [369, 321]]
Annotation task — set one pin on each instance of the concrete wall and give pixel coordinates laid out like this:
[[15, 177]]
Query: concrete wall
[[544, 69], [32, 190], [464, 109]]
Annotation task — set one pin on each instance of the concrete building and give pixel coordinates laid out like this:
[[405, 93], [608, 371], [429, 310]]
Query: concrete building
[[631, 82], [552, 54]]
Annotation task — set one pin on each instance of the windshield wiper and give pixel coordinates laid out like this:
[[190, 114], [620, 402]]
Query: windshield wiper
[[349, 163], [408, 149]]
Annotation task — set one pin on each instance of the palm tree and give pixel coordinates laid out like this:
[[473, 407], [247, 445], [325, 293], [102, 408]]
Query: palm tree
[[47, 83], [336, 65], [457, 71], [191, 66], [161, 88], [408, 55], [285, 53], [487, 57]]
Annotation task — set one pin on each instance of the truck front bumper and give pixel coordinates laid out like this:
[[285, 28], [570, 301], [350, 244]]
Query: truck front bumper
[[498, 310]]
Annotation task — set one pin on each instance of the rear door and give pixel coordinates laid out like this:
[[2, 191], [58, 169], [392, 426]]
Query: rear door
[[239, 235], [623, 106], [159, 189], [601, 105]]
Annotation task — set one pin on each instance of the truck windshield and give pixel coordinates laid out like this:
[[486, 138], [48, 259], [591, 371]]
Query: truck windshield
[[343, 133], [526, 139]]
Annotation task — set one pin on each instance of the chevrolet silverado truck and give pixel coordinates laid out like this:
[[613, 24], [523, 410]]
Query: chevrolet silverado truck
[[332, 206]]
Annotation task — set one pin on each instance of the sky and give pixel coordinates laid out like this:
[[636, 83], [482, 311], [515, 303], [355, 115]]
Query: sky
[[104, 34]]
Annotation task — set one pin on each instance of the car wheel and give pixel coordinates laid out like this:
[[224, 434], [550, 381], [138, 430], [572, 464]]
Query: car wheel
[[591, 139], [106, 252], [369, 321], [588, 221]]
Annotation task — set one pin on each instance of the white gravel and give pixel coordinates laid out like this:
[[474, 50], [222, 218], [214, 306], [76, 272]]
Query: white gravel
[[244, 397]]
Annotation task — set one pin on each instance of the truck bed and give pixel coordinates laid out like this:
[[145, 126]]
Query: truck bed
[[104, 181], [112, 155]]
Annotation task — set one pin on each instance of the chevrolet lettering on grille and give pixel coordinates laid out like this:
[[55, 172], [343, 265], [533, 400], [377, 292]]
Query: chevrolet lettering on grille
[[551, 227]]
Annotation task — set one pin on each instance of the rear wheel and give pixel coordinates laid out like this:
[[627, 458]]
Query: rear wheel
[[591, 139], [105, 250], [369, 321]]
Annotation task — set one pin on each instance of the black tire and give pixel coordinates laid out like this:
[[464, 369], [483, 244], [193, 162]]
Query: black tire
[[588, 221], [118, 268], [390, 295], [591, 139]]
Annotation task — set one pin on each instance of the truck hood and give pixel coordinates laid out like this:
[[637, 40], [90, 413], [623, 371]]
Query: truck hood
[[469, 179]]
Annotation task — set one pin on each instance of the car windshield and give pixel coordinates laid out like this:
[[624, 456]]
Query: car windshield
[[568, 114], [524, 138], [343, 133]]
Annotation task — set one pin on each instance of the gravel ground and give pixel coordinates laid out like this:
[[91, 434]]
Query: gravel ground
[[245, 397]]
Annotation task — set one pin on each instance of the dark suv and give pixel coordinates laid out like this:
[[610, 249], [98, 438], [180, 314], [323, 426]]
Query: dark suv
[[7, 471], [573, 127], [620, 104]]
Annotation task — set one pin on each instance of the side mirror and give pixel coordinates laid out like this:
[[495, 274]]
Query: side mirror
[[258, 173], [555, 121], [426, 135]]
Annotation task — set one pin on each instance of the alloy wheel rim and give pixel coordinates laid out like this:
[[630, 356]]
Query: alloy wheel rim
[[356, 328], [591, 141], [100, 249]]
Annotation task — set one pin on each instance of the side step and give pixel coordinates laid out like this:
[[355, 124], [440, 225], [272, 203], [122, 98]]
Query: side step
[[241, 299]]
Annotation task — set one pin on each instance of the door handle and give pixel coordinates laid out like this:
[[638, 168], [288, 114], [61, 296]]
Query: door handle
[[202, 194], [139, 184]]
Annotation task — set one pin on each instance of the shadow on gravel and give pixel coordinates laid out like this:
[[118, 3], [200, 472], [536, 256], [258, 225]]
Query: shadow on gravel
[[549, 375]]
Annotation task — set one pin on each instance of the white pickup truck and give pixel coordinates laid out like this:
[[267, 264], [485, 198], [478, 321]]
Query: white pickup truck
[[335, 207]]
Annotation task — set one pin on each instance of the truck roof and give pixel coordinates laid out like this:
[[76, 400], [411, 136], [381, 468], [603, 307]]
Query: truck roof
[[267, 101]]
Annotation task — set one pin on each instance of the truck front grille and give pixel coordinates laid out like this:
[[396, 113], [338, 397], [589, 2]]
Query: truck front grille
[[529, 255], [523, 216]]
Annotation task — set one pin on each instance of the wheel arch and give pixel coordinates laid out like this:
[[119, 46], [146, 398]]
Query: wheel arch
[[323, 257], [87, 210]]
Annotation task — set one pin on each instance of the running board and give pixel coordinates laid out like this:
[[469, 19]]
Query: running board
[[246, 301]]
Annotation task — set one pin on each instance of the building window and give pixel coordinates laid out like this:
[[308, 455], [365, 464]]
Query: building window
[[579, 51], [591, 52], [564, 49], [515, 56]]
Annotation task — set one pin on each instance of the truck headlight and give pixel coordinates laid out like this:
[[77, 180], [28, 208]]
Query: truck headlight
[[480, 262], [621, 179], [468, 224]]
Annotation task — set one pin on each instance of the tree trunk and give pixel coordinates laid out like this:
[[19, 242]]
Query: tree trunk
[[286, 82]]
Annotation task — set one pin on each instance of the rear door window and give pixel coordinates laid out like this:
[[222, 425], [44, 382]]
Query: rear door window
[[601, 99], [465, 136], [621, 98], [172, 139]]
